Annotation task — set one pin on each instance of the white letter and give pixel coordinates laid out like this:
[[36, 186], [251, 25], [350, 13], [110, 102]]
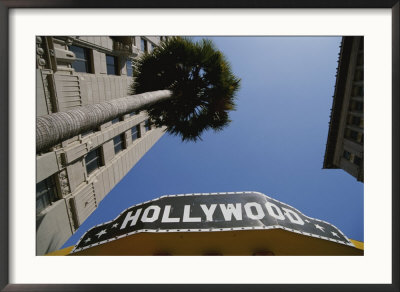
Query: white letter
[[227, 212], [166, 218], [154, 217], [270, 209], [293, 216], [186, 215], [131, 218], [209, 212], [260, 212]]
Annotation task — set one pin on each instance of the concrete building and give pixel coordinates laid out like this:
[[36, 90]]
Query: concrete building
[[74, 176], [345, 145]]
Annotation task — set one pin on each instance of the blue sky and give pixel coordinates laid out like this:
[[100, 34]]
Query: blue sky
[[275, 144]]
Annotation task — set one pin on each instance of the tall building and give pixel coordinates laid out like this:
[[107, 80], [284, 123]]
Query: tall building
[[74, 176], [345, 145]]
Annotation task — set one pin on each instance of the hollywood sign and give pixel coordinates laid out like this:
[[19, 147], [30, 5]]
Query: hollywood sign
[[208, 213], [251, 210]]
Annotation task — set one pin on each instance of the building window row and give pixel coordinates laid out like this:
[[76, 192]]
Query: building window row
[[352, 157], [358, 91], [354, 135], [355, 120], [84, 62], [46, 194], [357, 106], [146, 45], [84, 59], [93, 159], [119, 141]]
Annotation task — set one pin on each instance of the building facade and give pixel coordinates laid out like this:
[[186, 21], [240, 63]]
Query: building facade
[[345, 144], [74, 176]]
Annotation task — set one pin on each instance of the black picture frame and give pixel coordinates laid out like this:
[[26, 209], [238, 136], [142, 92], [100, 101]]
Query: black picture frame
[[6, 5]]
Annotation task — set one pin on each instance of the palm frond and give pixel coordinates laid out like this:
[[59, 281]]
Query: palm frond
[[202, 83]]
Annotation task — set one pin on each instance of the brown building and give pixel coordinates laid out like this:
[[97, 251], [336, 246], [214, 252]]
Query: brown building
[[345, 144]]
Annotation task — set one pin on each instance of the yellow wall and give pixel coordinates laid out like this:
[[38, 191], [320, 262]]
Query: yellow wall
[[246, 242]]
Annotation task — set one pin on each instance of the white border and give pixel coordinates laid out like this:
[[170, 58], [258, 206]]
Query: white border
[[375, 24]]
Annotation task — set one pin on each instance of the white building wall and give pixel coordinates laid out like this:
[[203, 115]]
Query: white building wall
[[60, 88]]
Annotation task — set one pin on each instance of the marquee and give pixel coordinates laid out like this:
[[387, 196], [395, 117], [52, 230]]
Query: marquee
[[210, 212]]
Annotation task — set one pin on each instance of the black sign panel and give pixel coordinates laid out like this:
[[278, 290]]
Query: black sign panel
[[209, 213]]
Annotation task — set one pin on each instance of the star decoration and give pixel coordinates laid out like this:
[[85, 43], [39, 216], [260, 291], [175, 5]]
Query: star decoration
[[87, 240], [115, 225], [101, 233], [319, 227], [334, 234]]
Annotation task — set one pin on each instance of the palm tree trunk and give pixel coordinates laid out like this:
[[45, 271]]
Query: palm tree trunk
[[57, 127]]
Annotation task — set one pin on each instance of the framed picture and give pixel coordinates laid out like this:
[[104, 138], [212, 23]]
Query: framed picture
[[23, 269]]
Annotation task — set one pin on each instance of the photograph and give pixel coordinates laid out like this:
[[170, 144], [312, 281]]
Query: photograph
[[199, 145], [209, 146]]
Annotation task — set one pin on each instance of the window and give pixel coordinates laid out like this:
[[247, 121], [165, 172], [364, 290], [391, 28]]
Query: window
[[143, 45], [114, 121], [358, 91], [358, 105], [82, 62], [147, 125], [356, 121], [129, 69], [353, 135], [46, 193], [359, 75], [346, 154], [135, 133], [93, 160], [112, 65], [151, 47], [118, 143]]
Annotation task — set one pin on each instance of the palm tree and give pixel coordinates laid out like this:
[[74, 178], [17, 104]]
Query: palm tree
[[184, 85]]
